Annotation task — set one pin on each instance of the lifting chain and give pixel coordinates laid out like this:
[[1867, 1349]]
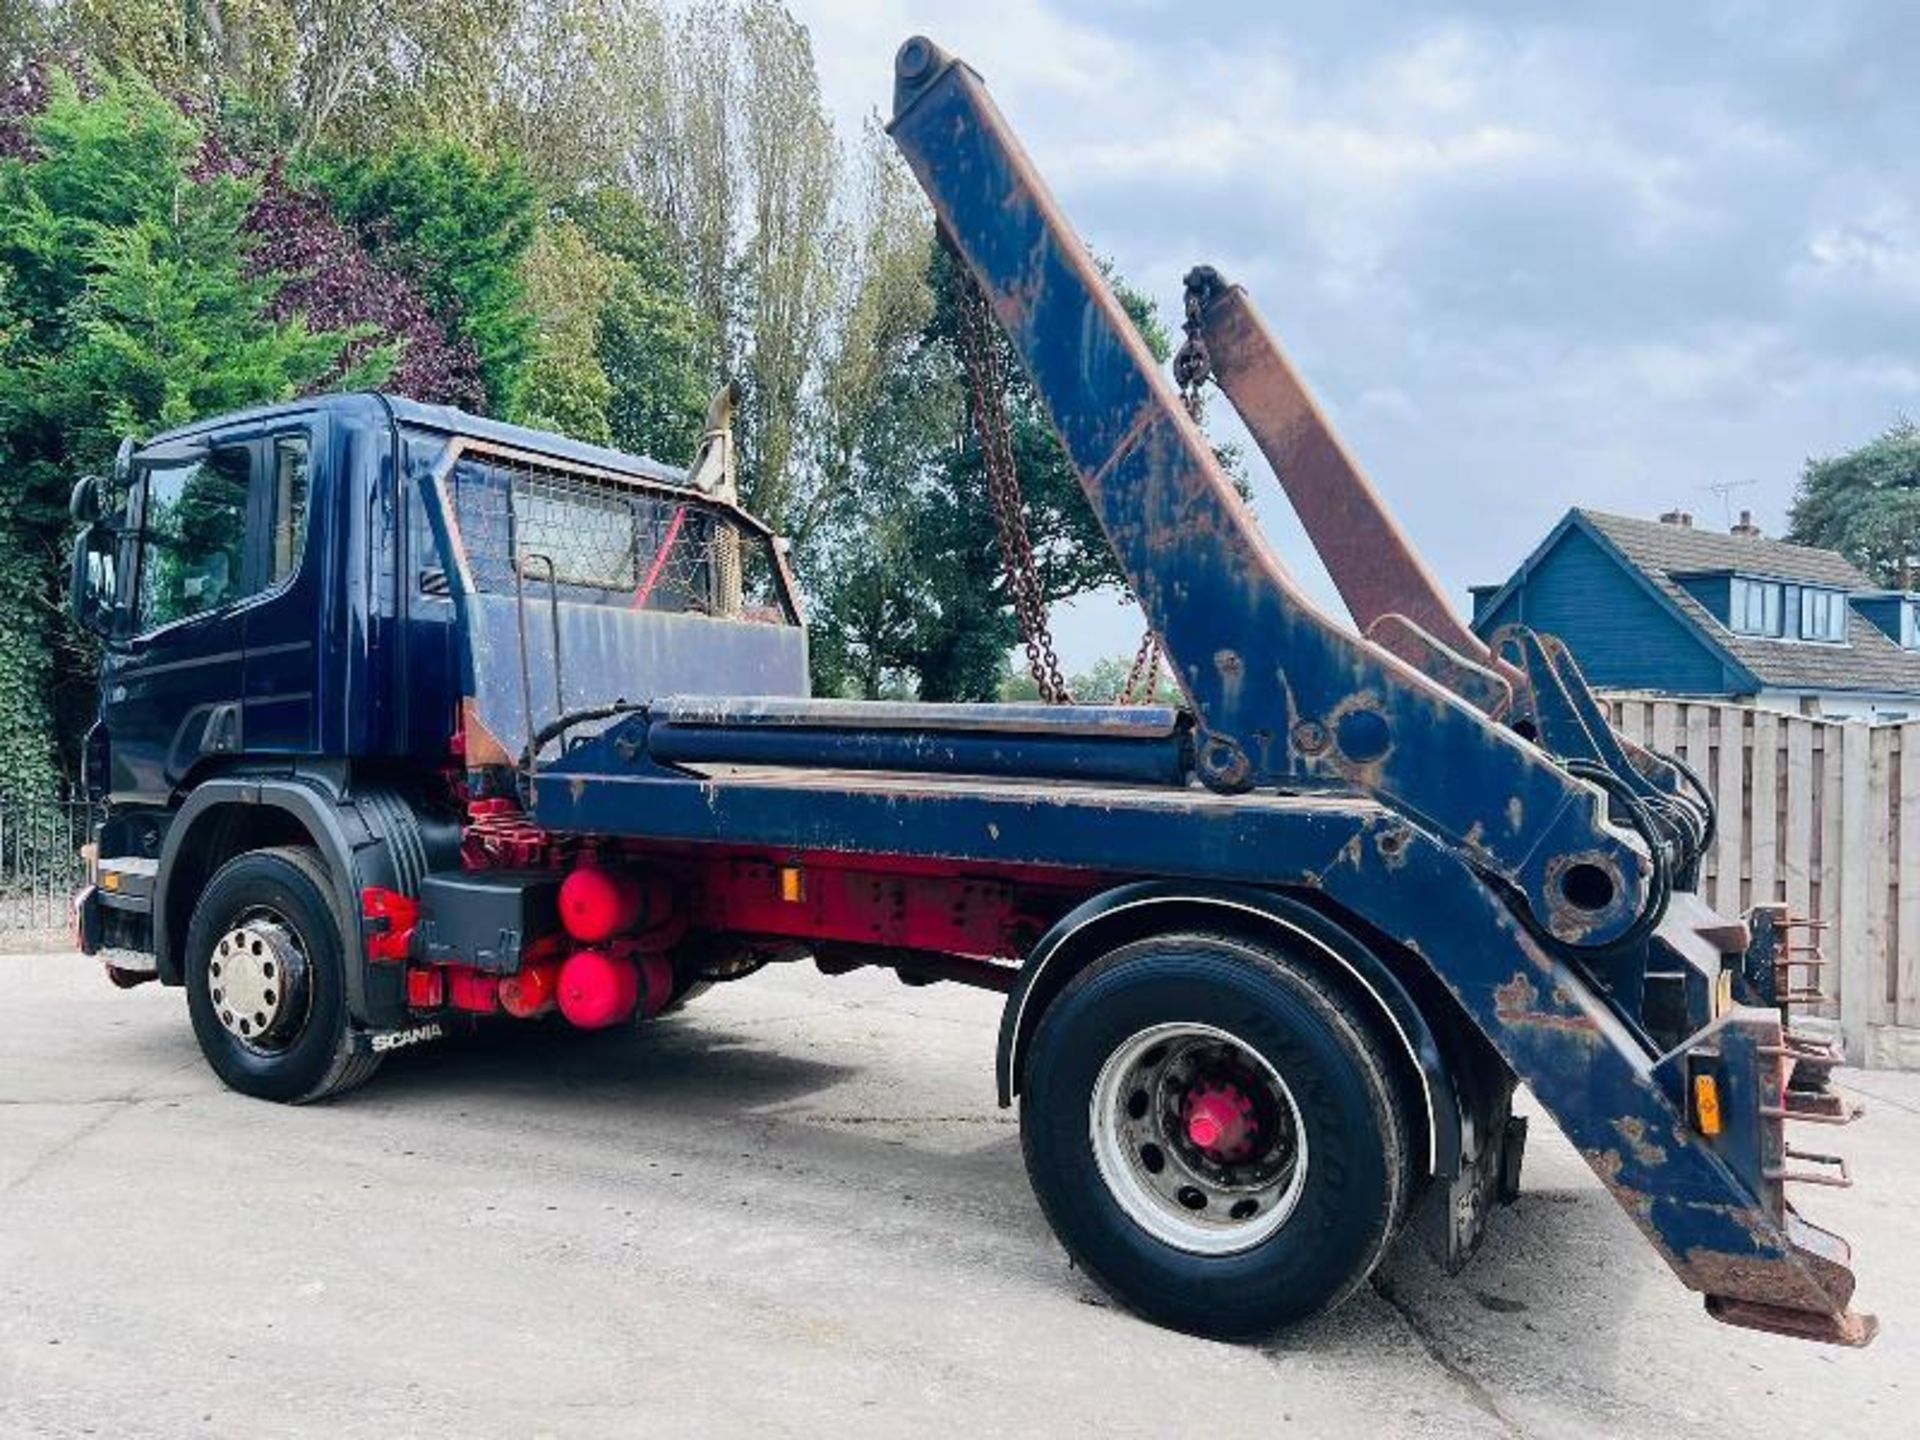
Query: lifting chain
[[1143, 676], [987, 382]]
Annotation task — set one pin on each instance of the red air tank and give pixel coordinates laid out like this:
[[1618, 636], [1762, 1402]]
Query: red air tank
[[596, 904], [598, 989]]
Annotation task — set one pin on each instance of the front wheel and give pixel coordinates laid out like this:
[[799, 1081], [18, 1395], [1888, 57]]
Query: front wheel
[[266, 979], [1212, 1136]]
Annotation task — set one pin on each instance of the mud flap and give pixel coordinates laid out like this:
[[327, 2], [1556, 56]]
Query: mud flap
[[1453, 1214]]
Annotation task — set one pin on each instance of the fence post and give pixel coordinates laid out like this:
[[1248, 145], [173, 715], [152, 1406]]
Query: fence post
[[1907, 919], [1856, 849], [1729, 776]]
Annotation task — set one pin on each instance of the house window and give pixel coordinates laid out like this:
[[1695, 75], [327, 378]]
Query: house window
[[1823, 615], [1781, 611], [1910, 624], [1755, 608]]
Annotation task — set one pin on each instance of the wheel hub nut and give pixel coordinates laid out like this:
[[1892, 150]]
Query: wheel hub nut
[[1219, 1121]]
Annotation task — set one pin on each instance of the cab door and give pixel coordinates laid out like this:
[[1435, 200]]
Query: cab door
[[217, 638], [174, 681]]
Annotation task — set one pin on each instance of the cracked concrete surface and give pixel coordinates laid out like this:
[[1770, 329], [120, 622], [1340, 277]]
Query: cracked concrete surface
[[793, 1210]]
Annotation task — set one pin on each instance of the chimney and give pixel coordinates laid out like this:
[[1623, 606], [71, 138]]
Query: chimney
[[1678, 518], [1746, 527]]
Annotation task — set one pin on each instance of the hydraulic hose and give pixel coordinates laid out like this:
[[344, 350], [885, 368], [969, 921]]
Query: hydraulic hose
[[1659, 891]]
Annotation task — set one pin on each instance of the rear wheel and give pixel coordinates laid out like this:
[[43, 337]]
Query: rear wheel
[[1213, 1137], [266, 979]]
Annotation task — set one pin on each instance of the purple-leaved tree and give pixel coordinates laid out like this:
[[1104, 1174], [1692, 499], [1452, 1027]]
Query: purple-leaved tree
[[328, 276], [22, 97]]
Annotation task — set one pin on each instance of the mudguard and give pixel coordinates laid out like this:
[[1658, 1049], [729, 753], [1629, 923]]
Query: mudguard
[[1091, 928]]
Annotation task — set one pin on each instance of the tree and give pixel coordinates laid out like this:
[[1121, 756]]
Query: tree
[[924, 600], [1866, 505], [129, 306], [23, 43], [459, 222], [738, 159], [1102, 683], [367, 74], [568, 285], [573, 92], [327, 274], [650, 337], [885, 303]]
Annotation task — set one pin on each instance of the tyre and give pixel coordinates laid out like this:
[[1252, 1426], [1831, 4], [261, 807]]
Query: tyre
[[1213, 1137], [266, 980]]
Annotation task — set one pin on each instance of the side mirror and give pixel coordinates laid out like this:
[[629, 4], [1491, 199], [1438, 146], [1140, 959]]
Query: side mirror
[[84, 507], [93, 586]]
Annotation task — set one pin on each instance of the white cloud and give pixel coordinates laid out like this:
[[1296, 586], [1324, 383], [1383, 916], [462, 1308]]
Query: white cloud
[[1530, 257]]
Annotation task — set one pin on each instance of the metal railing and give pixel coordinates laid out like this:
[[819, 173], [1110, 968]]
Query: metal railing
[[40, 863]]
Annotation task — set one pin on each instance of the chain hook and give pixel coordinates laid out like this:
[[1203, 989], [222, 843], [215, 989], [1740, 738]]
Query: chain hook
[[1192, 365]]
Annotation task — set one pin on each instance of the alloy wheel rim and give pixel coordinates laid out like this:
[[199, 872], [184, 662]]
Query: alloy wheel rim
[[1199, 1140], [257, 980]]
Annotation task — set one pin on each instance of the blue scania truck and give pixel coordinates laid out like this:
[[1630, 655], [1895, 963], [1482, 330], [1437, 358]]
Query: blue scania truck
[[410, 720]]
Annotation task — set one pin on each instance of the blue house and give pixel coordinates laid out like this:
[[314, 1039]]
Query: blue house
[[1666, 607]]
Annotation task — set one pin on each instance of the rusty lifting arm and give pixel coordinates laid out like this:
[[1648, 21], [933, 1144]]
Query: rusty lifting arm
[[1392, 596], [1527, 680], [1284, 697]]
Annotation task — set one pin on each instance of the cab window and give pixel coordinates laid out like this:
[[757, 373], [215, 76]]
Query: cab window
[[217, 528], [288, 506], [193, 539]]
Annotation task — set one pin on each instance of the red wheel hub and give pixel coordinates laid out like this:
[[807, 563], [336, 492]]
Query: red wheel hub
[[1220, 1122]]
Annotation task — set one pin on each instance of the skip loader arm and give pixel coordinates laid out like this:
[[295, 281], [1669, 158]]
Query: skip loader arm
[[1550, 924], [1283, 697], [1530, 682]]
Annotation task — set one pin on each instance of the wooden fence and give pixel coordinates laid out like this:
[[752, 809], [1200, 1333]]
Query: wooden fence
[[1825, 816]]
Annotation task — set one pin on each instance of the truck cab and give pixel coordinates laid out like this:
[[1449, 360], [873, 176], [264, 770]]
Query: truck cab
[[275, 611], [214, 651]]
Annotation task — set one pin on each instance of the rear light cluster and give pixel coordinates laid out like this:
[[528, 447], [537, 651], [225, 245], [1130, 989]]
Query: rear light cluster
[[606, 964]]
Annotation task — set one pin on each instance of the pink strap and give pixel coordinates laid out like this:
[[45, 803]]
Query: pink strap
[[659, 560]]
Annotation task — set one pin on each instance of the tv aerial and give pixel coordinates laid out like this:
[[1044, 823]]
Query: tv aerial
[[1724, 489]]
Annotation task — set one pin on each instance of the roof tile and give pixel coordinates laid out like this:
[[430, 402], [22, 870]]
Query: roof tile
[[1870, 661]]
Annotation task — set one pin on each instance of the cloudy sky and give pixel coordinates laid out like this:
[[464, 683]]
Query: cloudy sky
[[1528, 255]]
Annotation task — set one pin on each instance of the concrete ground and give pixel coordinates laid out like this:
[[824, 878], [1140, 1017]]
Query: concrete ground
[[795, 1209]]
